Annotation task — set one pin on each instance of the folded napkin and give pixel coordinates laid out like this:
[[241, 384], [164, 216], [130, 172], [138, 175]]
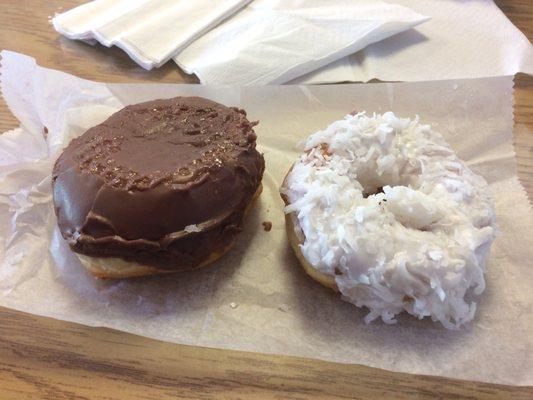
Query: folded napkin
[[150, 31], [463, 39], [274, 41]]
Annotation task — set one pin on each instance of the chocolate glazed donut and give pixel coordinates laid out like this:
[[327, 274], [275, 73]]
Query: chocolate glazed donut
[[163, 185]]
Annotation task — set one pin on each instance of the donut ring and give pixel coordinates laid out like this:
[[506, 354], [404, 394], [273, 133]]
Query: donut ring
[[381, 209]]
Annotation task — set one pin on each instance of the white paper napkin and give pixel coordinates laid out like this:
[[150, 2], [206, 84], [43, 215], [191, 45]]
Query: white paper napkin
[[463, 39], [274, 41], [150, 31]]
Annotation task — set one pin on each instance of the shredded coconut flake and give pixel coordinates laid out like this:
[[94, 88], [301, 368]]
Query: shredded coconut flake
[[192, 228], [385, 201]]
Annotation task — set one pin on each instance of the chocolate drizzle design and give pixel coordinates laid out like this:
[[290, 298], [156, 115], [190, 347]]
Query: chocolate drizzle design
[[129, 186]]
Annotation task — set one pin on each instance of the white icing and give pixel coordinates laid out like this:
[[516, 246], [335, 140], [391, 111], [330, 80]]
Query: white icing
[[421, 245]]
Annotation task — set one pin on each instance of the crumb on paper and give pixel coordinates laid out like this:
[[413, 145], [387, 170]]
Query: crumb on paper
[[267, 226], [233, 305], [192, 228], [45, 132]]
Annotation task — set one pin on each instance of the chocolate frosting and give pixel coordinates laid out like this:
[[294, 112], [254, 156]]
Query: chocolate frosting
[[130, 186]]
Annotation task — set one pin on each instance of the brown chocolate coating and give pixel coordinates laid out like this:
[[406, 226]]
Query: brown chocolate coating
[[129, 186]]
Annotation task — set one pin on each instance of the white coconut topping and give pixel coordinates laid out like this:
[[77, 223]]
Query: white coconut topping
[[391, 213], [192, 228]]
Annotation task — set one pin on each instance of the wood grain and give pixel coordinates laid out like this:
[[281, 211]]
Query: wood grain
[[41, 358]]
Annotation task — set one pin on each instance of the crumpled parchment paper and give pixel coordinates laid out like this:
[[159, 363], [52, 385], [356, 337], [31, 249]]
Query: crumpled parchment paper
[[257, 298]]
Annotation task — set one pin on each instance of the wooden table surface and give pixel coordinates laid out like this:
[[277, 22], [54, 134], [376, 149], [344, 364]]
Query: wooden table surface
[[50, 359]]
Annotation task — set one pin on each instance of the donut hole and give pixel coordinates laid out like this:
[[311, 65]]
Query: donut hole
[[373, 183], [401, 197], [372, 192], [412, 208]]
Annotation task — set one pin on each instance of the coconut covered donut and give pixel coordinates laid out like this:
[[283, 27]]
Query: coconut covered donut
[[381, 209]]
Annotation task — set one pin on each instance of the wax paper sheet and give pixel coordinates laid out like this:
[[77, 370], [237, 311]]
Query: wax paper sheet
[[257, 298]]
